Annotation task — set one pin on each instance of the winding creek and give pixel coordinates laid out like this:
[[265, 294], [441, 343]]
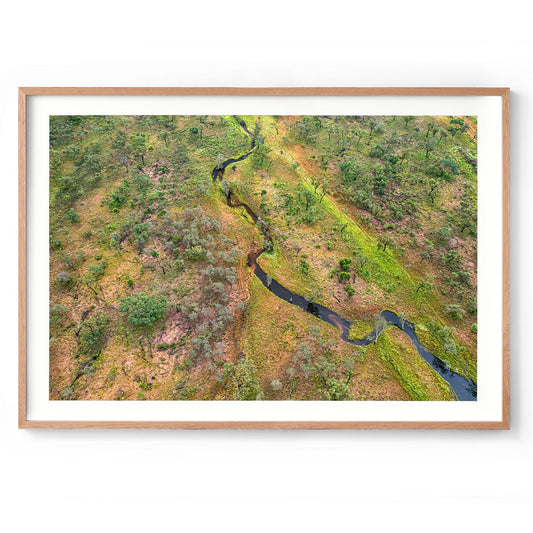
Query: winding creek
[[464, 389]]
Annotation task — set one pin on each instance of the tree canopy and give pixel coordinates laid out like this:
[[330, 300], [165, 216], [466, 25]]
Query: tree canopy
[[142, 309]]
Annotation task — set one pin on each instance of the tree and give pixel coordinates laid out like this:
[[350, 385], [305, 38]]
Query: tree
[[426, 284], [402, 317], [457, 124], [433, 190], [309, 198], [165, 136], [372, 123], [220, 161], [316, 181], [351, 170], [379, 326], [408, 119], [429, 145], [93, 333], [403, 155], [138, 145], [143, 310], [442, 135], [226, 187], [261, 155], [257, 129], [384, 242], [432, 128]]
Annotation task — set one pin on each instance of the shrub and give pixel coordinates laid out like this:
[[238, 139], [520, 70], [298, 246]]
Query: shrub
[[443, 235], [345, 264], [303, 266], [454, 311], [377, 151], [68, 393], [97, 271], [118, 197], [344, 276], [276, 384], [246, 385], [195, 253], [55, 244], [114, 241], [450, 164], [337, 390], [72, 216], [144, 384], [112, 374], [64, 278], [57, 313], [142, 309], [141, 182], [451, 259]]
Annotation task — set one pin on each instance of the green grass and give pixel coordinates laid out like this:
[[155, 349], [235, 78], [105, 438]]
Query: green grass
[[415, 375], [360, 329], [463, 363]]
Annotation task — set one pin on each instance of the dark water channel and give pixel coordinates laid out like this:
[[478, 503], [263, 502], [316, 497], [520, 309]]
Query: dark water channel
[[464, 389]]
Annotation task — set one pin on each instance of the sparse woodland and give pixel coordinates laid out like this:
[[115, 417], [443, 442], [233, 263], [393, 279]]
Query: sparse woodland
[[153, 292]]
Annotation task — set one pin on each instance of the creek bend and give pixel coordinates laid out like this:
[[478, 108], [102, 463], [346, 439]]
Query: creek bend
[[464, 389]]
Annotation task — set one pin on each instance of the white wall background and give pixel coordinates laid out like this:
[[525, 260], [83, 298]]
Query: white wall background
[[266, 480]]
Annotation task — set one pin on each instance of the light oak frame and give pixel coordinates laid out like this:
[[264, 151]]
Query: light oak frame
[[504, 93]]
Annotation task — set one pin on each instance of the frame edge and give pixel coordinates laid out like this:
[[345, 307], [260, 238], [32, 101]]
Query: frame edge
[[506, 259], [265, 91], [277, 425], [22, 302]]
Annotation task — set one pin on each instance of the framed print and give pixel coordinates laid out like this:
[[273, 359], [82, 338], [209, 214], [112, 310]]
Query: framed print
[[264, 258]]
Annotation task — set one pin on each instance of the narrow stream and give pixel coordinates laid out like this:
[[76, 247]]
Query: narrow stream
[[464, 389]]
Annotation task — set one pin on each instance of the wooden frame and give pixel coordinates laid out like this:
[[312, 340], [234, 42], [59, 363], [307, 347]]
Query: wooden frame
[[503, 93]]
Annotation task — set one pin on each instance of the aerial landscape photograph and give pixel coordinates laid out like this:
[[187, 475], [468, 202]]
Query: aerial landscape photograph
[[263, 258]]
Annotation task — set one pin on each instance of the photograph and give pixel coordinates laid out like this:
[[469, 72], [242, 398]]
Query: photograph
[[263, 258]]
